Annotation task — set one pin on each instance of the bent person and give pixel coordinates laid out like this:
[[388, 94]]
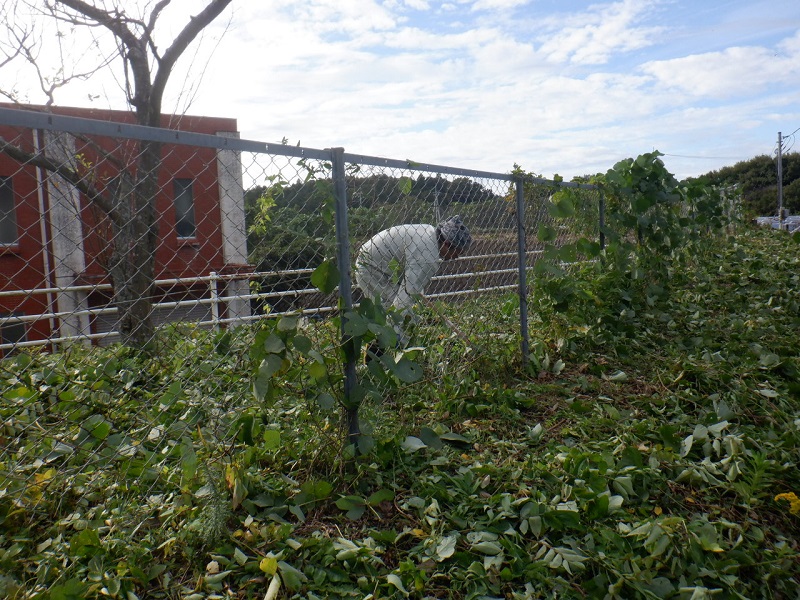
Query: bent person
[[397, 264]]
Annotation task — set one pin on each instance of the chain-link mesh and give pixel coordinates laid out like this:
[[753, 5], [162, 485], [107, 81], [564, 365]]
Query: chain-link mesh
[[135, 268]]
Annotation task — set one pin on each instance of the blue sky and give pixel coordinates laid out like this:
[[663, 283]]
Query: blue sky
[[557, 86]]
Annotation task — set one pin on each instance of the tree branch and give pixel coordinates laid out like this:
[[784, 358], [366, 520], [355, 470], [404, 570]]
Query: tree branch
[[182, 41], [71, 175], [151, 23], [18, 52], [134, 52], [115, 23]]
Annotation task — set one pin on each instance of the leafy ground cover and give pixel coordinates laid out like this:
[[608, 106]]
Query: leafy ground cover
[[650, 451]]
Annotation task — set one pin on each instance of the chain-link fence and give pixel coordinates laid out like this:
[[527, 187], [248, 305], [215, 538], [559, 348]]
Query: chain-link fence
[[234, 232], [136, 266]]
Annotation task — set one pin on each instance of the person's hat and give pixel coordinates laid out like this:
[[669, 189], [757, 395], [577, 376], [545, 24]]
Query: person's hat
[[455, 232]]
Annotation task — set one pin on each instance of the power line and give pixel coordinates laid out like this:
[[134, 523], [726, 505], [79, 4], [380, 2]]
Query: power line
[[702, 157], [791, 134], [785, 137]]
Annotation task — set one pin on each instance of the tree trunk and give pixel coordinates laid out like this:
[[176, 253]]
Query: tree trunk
[[134, 243]]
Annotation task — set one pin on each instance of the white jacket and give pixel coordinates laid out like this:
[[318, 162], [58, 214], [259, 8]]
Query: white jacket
[[398, 263]]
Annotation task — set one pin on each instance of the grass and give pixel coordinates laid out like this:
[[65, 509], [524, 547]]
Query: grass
[[642, 454]]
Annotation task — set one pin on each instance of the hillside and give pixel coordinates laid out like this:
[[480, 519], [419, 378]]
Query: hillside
[[758, 178]]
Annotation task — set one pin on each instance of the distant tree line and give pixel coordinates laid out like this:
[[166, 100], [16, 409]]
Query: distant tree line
[[757, 179], [290, 225]]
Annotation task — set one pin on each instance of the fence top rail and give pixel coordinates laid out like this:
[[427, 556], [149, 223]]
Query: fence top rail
[[376, 161], [79, 125]]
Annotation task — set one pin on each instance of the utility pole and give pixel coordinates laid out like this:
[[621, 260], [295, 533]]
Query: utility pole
[[780, 181]]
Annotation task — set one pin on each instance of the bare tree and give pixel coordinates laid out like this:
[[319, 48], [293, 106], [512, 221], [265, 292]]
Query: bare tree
[[128, 201]]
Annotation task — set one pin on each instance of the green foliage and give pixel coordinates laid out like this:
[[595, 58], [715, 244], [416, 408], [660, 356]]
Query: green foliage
[[757, 180], [285, 360], [653, 224], [643, 199], [286, 224], [643, 462]]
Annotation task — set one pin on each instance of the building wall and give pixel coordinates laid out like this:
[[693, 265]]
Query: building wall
[[73, 250], [23, 265]]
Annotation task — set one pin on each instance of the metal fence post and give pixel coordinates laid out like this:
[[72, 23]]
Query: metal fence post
[[345, 291], [602, 224], [522, 266], [781, 216], [214, 291]]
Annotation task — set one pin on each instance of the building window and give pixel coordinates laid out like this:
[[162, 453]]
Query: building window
[[184, 208], [11, 332], [8, 214]]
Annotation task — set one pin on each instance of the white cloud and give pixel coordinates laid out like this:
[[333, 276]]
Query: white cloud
[[606, 30], [738, 71], [790, 47], [417, 4], [342, 16], [498, 4]]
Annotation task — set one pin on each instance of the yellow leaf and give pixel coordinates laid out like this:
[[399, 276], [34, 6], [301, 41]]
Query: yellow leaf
[[44, 477], [658, 510], [269, 565], [34, 491], [794, 502]]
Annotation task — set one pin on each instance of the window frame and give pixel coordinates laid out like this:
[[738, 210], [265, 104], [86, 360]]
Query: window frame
[[181, 186], [13, 333], [7, 183]]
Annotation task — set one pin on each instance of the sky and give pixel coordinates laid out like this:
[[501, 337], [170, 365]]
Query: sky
[[555, 86]]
